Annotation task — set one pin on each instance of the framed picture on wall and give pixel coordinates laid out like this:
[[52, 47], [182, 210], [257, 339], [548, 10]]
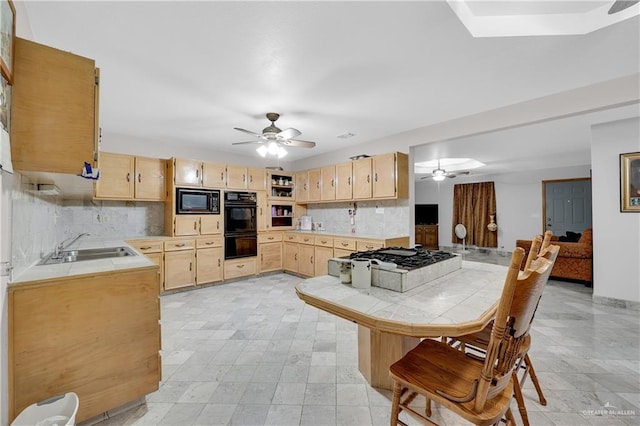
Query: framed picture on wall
[[7, 38], [630, 182]]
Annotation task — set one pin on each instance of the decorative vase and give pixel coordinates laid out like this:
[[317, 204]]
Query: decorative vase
[[492, 226]]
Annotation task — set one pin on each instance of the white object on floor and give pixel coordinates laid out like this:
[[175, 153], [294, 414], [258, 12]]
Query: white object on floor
[[59, 411], [461, 232]]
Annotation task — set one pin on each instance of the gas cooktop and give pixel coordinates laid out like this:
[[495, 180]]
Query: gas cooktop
[[405, 258]]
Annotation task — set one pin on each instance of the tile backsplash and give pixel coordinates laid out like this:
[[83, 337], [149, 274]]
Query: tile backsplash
[[376, 218], [40, 222]]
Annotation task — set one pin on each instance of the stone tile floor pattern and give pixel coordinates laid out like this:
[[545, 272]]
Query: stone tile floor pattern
[[251, 353]]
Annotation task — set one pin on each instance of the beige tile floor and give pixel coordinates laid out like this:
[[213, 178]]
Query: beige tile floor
[[251, 353]]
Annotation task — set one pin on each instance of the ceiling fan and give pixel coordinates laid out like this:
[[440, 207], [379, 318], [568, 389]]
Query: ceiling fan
[[272, 139], [439, 174], [620, 5]]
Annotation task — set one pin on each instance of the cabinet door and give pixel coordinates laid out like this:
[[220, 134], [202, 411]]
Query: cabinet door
[[270, 256], [290, 257], [362, 178], [419, 235], [315, 179], [214, 175], [53, 109], [328, 185], [306, 255], [262, 211], [116, 176], [343, 181], [186, 225], [158, 259], [187, 172], [321, 260], [384, 175], [179, 269], [257, 179], [208, 265], [302, 186], [150, 179], [236, 177], [210, 224]]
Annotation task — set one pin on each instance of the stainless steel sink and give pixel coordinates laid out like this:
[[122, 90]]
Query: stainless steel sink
[[87, 254]]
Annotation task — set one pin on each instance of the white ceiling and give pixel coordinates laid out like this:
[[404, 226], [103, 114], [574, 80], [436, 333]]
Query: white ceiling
[[189, 72]]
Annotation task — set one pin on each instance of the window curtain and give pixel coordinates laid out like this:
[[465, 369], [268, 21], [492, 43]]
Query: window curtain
[[472, 205]]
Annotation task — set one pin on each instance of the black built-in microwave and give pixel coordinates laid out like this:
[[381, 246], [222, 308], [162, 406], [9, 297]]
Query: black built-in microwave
[[197, 201]]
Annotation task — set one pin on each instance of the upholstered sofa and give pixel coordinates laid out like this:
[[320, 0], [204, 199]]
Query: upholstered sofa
[[574, 261]]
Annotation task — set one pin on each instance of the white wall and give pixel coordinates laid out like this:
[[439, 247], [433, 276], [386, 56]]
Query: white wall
[[123, 144], [518, 202], [616, 235]]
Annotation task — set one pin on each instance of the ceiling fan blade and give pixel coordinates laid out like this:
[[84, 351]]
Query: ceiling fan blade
[[244, 143], [257, 135], [289, 133], [298, 143], [454, 174], [620, 5]]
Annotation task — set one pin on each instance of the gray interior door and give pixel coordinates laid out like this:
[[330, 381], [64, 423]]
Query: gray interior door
[[568, 206]]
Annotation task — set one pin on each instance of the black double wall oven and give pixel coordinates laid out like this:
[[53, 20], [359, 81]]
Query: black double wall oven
[[240, 229]]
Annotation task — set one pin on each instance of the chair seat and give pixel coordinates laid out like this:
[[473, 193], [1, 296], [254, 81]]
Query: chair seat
[[434, 367]]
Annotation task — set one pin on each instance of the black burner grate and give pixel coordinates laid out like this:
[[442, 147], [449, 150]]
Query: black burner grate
[[405, 258]]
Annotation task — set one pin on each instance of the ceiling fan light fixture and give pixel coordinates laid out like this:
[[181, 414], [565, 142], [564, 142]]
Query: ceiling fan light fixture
[[262, 150], [281, 152], [272, 148], [438, 175]]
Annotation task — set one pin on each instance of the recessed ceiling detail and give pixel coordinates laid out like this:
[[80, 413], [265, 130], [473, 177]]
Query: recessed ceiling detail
[[536, 18], [450, 164]]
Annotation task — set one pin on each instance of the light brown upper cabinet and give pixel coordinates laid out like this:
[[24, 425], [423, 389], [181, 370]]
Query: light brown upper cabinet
[[54, 111], [362, 187], [391, 175], [187, 172], [124, 177], [314, 181], [302, 186], [214, 175], [328, 185], [236, 177], [343, 181], [257, 179]]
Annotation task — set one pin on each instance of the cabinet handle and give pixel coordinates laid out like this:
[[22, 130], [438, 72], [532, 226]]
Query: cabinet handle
[[250, 178], [376, 178], [269, 238], [209, 243], [218, 263], [368, 179], [190, 265], [306, 239], [318, 185], [139, 177], [261, 257], [195, 225], [295, 256], [145, 248], [305, 186], [180, 245], [349, 180], [244, 178], [311, 260], [323, 241], [344, 244], [332, 184], [240, 266], [197, 173], [128, 177], [222, 176], [370, 247]]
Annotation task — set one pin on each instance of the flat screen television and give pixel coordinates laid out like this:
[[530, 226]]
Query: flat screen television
[[426, 214]]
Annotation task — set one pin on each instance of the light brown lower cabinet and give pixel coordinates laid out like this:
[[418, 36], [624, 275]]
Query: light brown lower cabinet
[[290, 262], [95, 334], [236, 268], [306, 254], [321, 260], [208, 265], [179, 264]]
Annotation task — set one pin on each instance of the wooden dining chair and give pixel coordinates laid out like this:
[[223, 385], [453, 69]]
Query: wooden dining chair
[[477, 389], [478, 342]]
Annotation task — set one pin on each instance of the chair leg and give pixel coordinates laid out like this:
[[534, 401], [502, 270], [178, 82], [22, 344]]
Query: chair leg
[[427, 409], [534, 379], [395, 407], [517, 390], [510, 420]]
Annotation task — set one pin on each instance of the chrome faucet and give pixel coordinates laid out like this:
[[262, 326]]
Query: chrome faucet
[[58, 252]]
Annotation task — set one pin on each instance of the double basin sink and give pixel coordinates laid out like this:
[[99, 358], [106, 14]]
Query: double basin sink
[[87, 254]]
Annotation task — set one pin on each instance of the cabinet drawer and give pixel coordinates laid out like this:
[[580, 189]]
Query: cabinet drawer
[[324, 241], [365, 245], [239, 267], [147, 246], [175, 245], [209, 242], [306, 239], [269, 238], [291, 238], [344, 244]]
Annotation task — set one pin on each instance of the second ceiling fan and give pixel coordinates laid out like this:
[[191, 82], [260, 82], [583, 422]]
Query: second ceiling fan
[[439, 174]]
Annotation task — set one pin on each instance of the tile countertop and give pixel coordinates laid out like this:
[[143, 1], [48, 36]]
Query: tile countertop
[[43, 272], [458, 298], [349, 234]]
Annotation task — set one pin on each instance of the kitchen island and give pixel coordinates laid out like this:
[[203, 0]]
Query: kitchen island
[[392, 323], [91, 327]]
